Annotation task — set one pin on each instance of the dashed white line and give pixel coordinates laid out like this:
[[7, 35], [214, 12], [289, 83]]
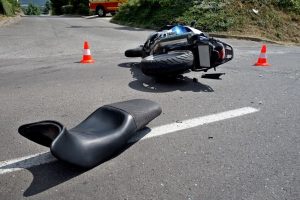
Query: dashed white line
[[46, 157]]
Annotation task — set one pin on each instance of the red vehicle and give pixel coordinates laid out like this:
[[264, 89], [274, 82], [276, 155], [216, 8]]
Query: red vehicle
[[102, 7]]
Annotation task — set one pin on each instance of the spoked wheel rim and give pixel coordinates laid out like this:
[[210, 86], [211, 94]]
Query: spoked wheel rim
[[100, 12]]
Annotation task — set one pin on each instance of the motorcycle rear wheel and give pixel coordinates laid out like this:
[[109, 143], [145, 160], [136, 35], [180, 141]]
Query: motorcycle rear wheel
[[170, 64]]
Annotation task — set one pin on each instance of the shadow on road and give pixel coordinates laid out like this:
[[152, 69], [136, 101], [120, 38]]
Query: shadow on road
[[101, 27], [52, 16], [124, 28], [147, 84], [50, 175], [49, 172], [127, 28]]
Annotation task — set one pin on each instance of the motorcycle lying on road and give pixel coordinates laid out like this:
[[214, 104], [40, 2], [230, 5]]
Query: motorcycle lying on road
[[177, 49]]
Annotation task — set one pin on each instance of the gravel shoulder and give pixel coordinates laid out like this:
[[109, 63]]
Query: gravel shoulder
[[5, 21]]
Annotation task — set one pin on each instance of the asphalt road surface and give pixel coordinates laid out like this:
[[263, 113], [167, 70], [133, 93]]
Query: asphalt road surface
[[254, 155]]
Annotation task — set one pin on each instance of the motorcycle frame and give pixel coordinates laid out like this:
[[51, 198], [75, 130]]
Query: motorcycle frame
[[191, 42]]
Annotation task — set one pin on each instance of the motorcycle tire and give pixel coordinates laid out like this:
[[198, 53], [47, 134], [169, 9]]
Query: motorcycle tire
[[170, 64], [136, 52], [100, 12]]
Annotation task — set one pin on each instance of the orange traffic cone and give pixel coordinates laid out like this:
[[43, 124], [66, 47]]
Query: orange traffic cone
[[87, 57], [262, 59]]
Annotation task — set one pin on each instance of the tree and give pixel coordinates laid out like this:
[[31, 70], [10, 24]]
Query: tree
[[47, 7], [80, 6], [33, 10], [56, 6]]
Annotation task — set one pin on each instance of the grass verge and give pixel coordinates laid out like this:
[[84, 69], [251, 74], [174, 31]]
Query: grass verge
[[271, 19]]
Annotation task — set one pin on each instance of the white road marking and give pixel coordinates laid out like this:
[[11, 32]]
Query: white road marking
[[26, 162], [190, 123], [46, 157]]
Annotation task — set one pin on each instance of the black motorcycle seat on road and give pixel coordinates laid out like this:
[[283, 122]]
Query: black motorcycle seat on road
[[98, 137]]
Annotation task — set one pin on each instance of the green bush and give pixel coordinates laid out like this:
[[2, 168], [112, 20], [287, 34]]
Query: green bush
[[285, 5], [56, 6], [67, 9], [70, 7], [210, 16], [83, 9], [15, 4], [1, 8], [47, 7], [290, 5], [7, 8], [276, 19], [32, 10], [151, 13], [80, 6]]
